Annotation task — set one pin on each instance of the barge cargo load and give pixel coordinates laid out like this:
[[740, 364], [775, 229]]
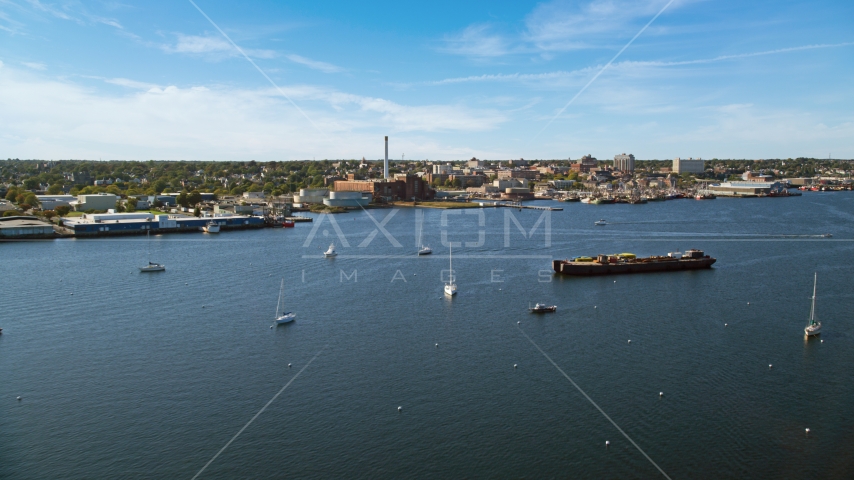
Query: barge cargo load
[[627, 263]]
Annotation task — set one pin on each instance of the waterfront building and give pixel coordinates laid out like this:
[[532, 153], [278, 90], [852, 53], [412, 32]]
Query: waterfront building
[[689, 165], [402, 187], [24, 227], [101, 224], [347, 199], [735, 189], [624, 163], [311, 195]]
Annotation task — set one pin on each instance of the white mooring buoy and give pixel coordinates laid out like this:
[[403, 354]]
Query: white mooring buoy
[[615, 281], [514, 365], [725, 324], [630, 341], [607, 443], [271, 327], [19, 399], [807, 430], [660, 394], [517, 323], [289, 365], [748, 303], [769, 365], [822, 341], [399, 409], [437, 345]]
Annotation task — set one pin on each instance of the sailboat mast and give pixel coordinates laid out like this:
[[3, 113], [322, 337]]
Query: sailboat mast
[[278, 304], [812, 308]]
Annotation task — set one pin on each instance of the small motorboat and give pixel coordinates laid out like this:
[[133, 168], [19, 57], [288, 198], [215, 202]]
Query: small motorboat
[[153, 267], [211, 227], [601, 222], [827, 235], [330, 252], [543, 308], [288, 224]]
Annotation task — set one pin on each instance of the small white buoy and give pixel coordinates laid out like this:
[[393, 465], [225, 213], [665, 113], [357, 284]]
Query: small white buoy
[[399, 409], [607, 443], [660, 394], [807, 430], [630, 341], [72, 293], [725, 324], [748, 303], [499, 289], [289, 365], [437, 345], [517, 323], [514, 365], [615, 281], [271, 327], [594, 306], [19, 399], [186, 283], [822, 341], [769, 365], [414, 274]]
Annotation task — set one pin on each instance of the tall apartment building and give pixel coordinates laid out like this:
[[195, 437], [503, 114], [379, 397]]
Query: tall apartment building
[[624, 163]]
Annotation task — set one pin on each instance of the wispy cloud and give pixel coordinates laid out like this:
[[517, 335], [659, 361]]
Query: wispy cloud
[[74, 12], [213, 46], [476, 41], [556, 26], [625, 65], [315, 64], [562, 25], [213, 121], [35, 65]]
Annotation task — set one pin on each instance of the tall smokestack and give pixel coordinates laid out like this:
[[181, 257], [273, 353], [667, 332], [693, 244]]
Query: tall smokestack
[[385, 164]]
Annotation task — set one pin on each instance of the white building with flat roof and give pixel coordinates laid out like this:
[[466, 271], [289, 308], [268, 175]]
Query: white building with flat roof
[[98, 201], [688, 165], [50, 202]]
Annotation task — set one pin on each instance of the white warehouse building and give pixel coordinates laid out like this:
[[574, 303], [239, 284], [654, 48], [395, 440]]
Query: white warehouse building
[[98, 201], [688, 165]]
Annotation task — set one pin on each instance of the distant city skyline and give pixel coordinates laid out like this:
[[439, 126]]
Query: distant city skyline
[[444, 80]]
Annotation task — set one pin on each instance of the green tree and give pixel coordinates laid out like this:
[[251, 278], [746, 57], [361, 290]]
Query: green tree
[[54, 189], [62, 210], [12, 194], [197, 211], [182, 200], [119, 206], [194, 198], [131, 204], [31, 184]]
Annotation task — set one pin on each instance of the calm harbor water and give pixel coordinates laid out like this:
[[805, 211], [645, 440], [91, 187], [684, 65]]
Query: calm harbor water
[[124, 374]]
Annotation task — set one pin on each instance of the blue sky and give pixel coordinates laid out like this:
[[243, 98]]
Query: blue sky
[[445, 80]]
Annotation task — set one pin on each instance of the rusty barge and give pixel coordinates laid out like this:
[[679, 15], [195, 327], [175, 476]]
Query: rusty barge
[[629, 263]]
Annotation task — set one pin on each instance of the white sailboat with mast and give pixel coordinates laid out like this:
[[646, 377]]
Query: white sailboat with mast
[[284, 317], [151, 267], [814, 326], [451, 286], [422, 249]]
